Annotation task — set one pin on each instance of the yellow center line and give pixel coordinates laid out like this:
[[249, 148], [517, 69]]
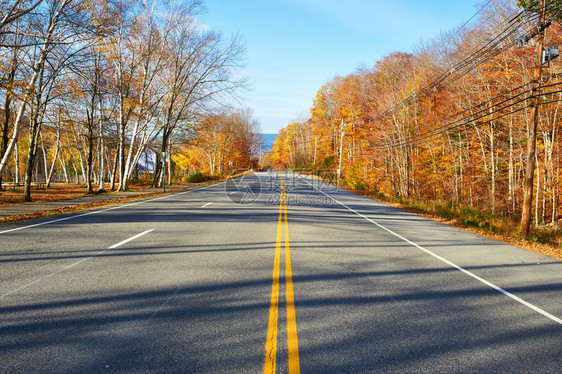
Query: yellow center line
[[292, 341], [271, 342]]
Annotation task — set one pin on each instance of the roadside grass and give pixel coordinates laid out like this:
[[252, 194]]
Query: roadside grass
[[200, 177], [465, 215], [543, 239], [505, 228], [63, 191], [100, 203]]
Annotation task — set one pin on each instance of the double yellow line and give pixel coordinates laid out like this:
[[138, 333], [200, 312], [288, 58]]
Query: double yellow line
[[292, 341]]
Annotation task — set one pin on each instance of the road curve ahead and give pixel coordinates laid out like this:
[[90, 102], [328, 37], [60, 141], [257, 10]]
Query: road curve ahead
[[276, 272]]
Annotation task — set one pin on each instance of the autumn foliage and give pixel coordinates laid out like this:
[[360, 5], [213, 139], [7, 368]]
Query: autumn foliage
[[100, 92], [446, 123]]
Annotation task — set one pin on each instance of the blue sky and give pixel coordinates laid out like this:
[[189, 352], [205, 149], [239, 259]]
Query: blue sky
[[295, 46]]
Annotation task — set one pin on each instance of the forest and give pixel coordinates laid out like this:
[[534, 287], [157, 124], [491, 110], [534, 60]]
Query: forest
[[450, 124], [101, 92]]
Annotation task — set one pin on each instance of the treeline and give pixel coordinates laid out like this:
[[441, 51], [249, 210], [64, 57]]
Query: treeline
[[91, 88], [448, 122], [225, 142]]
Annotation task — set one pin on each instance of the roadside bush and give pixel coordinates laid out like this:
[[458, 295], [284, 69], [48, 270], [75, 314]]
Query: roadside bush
[[198, 178]]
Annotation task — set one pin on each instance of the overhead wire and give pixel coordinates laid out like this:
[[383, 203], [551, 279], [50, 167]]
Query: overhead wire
[[458, 67], [476, 57], [467, 62], [489, 120], [469, 116], [428, 125], [468, 124], [474, 15]]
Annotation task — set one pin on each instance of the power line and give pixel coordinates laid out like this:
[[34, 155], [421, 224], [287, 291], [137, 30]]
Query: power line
[[468, 122], [491, 119], [427, 125], [475, 58], [474, 15], [469, 117]]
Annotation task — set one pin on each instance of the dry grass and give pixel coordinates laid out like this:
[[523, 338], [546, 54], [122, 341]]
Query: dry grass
[[502, 228], [59, 191], [62, 191], [543, 240], [505, 237], [80, 191]]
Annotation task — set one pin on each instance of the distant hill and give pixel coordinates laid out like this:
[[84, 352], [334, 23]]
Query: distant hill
[[268, 140]]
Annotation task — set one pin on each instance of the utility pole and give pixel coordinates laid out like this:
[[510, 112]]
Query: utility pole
[[533, 122], [341, 151]]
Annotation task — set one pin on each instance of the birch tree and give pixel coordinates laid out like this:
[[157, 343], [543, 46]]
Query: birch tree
[[201, 68], [46, 43]]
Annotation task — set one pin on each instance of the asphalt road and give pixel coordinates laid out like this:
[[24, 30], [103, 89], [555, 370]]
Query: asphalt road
[[276, 271]]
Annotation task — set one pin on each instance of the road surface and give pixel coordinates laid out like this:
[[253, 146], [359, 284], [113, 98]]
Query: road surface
[[275, 272]]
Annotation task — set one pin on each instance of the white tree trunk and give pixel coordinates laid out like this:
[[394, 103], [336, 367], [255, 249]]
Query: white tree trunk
[[46, 168], [31, 83], [63, 166], [169, 157], [54, 161], [17, 162], [102, 162], [79, 147]]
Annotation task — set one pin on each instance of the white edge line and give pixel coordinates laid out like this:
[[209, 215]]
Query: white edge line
[[103, 210], [482, 280], [130, 239], [74, 264], [203, 206]]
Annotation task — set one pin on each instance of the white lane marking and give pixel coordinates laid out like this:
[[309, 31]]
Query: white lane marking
[[480, 279], [130, 239], [231, 193], [203, 206], [74, 264], [104, 210]]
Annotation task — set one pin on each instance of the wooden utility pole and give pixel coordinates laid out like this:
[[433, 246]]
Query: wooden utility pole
[[533, 122]]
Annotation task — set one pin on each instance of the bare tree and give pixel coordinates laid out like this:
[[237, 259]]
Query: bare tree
[[54, 14], [200, 69], [12, 11]]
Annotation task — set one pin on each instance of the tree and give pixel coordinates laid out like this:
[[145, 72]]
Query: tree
[[200, 70], [11, 12], [46, 43]]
